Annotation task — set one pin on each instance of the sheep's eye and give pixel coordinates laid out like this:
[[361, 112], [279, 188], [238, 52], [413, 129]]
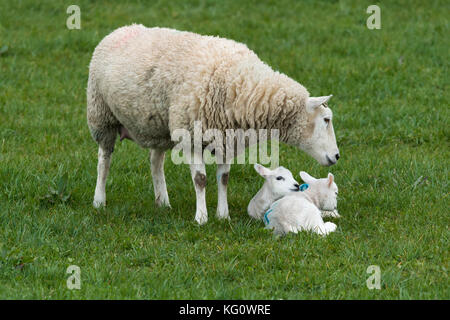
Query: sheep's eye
[[280, 178], [327, 120]]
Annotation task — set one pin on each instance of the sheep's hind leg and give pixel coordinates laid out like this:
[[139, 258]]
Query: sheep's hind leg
[[104, 129], [106, 138], [198, 174], [223, 171], [104, 161], [159, 180]]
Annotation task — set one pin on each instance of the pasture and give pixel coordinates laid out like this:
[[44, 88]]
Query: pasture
[[391, 119]]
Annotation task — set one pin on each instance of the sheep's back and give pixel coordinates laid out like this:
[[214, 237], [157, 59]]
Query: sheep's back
[[141, 72]]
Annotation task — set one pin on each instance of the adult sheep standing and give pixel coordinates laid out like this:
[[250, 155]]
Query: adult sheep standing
[[144, 83]]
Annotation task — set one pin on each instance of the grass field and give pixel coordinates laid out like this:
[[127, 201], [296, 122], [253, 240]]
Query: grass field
[[391, 117]]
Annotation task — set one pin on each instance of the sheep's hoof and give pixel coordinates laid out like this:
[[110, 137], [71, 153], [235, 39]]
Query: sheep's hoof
[[222, 214], [99, 203], [162, 201], [223, 217], [163, 204], [201, 218]]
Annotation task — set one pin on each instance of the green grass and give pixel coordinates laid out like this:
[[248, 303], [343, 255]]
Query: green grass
[[391, 111]]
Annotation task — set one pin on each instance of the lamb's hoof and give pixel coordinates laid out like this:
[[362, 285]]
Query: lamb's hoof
[[201, 218], [329, 227], [257, 217], [330, 214], [325, 229], [336, 214]]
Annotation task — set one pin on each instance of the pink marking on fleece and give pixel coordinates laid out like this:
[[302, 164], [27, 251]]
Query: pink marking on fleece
[[126, 35]]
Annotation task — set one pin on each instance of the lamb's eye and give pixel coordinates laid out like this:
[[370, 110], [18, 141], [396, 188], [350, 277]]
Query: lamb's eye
[[280, 178], [327, 120]]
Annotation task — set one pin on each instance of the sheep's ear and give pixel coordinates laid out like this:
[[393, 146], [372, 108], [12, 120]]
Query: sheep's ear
[[262, 171], [306, 177], [330, 179], [314, 102]]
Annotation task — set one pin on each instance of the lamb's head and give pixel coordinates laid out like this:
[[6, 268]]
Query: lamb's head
[[279, 181], [313, 131], [324, 190]]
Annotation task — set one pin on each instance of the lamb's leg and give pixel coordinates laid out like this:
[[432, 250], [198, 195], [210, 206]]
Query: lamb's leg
[[325, 228], [198, 174], [330, 227], [159, 181], [223, 172], [104, 160]]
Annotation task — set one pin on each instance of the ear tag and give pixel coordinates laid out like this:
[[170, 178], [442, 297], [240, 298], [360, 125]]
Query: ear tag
[[304, 186]]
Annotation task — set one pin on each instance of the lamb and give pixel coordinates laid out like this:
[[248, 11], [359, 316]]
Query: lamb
[[301, 211], [279, 182], [145, 83]]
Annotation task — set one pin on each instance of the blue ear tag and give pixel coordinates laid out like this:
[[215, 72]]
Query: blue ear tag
[[304, 186]]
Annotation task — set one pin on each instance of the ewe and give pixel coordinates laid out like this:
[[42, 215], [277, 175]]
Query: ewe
[[301, 211], [279, 182], [145, 83]]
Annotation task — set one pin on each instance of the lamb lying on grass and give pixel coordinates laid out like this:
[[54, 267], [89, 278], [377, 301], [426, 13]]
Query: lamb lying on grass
[[301, 211], [279, 182]]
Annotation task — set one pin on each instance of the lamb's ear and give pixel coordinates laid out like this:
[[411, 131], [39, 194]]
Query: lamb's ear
[[306, 177], [262, 171], [314, 102], [330, 179]]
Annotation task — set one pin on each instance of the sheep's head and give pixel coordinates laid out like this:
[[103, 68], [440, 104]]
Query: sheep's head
[[280, 180], [313, 131], [324, 190]]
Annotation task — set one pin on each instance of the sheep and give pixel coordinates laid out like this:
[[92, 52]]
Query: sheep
[[145, 83], [301, 211], [279, 182]]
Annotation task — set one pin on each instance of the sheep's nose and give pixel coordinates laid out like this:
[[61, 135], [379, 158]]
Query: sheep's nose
[[297, 186], [337, 156]]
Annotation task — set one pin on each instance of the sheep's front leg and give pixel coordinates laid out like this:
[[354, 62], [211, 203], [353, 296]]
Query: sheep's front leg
[[159, 180], [104, 161], [223, 172], [198, 174]]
